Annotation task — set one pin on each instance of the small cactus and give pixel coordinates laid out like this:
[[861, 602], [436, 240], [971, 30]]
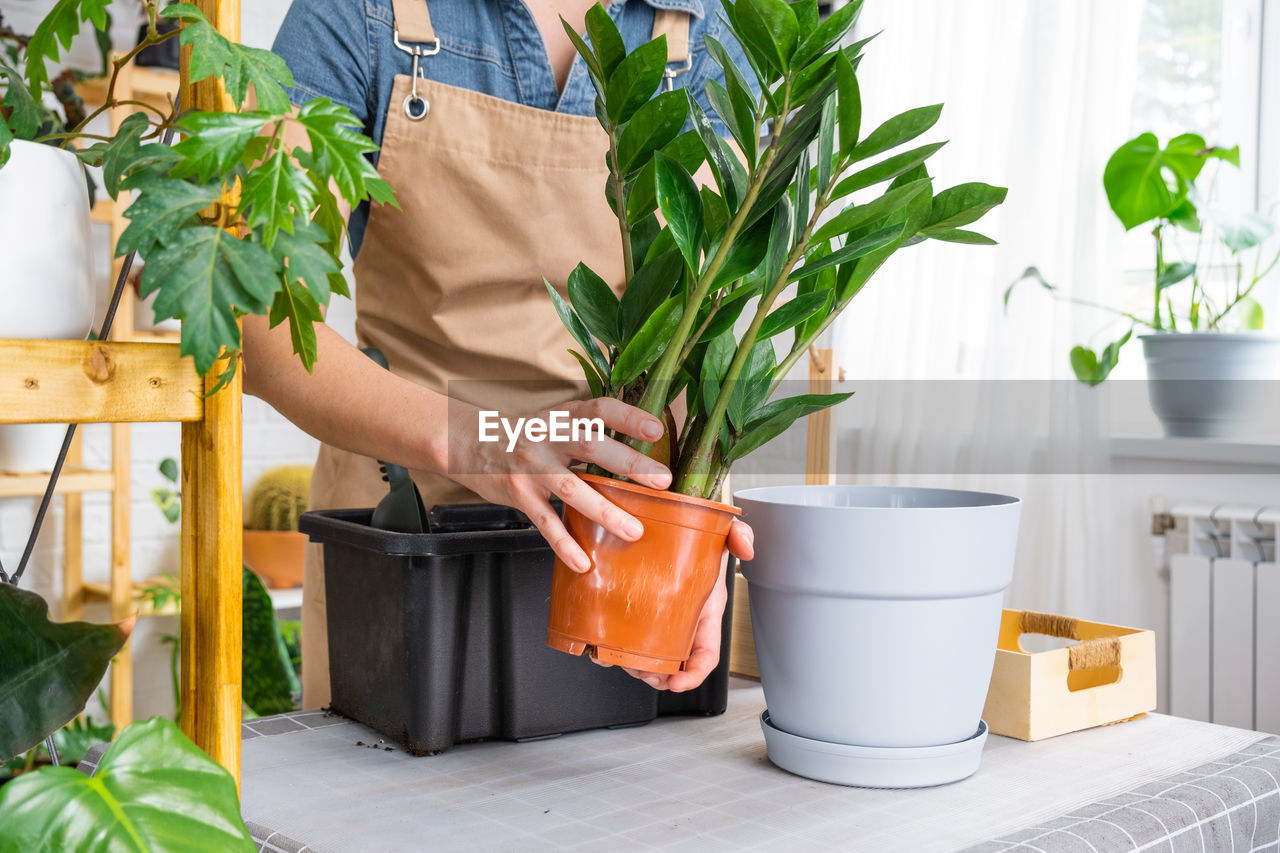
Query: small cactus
[[279, 497]]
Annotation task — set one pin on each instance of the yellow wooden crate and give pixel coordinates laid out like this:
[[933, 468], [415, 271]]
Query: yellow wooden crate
[[1107, 677]]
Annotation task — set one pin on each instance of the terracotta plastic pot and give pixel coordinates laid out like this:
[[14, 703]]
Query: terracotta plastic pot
[[638, 606], [276, 556]]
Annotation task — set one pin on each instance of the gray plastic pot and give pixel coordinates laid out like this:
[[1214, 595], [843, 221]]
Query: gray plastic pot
[[1209, 384], [876, 610]]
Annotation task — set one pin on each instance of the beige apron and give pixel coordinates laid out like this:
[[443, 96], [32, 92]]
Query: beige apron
[[494, 195]]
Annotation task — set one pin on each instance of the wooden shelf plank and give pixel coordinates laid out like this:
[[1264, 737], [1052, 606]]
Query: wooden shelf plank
[[73, 481], [102, 211], [155, 86], [44, 381]]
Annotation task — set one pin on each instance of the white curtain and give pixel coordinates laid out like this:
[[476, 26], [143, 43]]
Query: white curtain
[[1037, 95]]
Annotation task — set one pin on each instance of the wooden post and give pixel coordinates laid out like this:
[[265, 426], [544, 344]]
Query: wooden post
[[212, 519], [73, 542], [121, 585], [820, 451]]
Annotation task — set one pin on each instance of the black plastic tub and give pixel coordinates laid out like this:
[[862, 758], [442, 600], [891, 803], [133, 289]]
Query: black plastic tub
[[440, 638]]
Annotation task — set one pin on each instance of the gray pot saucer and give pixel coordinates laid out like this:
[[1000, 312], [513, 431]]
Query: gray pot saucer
[[873, 767]]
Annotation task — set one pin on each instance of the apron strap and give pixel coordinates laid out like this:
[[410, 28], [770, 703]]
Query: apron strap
[[675, 26], [412, 21]]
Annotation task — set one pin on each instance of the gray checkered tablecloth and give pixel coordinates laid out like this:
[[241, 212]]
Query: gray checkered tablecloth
[[1232, 804], [317, 783]]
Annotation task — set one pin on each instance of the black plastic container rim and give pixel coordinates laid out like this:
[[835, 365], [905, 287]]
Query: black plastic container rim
[[351, 527]]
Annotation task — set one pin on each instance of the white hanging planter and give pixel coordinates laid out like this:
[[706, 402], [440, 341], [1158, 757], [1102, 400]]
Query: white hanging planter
[[875, 612], [47, 284], [1210, 384]]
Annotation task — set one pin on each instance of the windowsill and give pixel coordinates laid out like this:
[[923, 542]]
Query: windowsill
[[1262, 454]]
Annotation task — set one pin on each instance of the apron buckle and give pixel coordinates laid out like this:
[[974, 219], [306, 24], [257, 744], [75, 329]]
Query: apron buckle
[[670, 74], [415, 106]]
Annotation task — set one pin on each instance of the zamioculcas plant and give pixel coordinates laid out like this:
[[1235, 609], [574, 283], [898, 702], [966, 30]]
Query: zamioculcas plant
[[788, 234], [212, 255]]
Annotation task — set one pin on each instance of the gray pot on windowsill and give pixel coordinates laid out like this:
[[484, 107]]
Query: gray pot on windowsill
[[1210, 384], [875, 613]]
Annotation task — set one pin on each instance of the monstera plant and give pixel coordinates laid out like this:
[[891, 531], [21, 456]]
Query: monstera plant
[[271, 246], [793, 226]]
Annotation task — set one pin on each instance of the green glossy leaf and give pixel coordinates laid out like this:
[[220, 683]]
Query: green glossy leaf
[[746, 253], [752, 385], [733, 74], [636, 79], [6, 138], [828, 34], [48, 670], [779, 244], [885, 170], [163, 206], [715, 364], [589, 58], [807, 16], [214, 55], [850, 104], [730, 309], [724, 166], [715, 216], [595, 302], [762, 431], [968, 238], [1135, 180], [577, 329], [737, 115], [25, 115], [903, 127], [649, 288], [656, 123], [166, 500], [215, 142], [802, 196], [961, 205], [606, 39], [206, 280], [826, 142], [154, 792], [795, 312], [646, 345], [856, 215], [1246, 232], [1094, 368], [681, 206], [851, 251], [769, 30], [337, 152], [169, 469], [269, 682], [1174, 273], [54, 34], [273, 194], [125, 155], [595, 382]]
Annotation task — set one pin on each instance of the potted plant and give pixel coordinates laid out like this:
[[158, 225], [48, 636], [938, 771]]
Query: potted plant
[[1202, 347], [47, 673], [794, 229], [273, 547], [212, 255]]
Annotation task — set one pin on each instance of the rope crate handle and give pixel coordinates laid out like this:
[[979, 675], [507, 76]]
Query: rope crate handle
[[1099, 653]]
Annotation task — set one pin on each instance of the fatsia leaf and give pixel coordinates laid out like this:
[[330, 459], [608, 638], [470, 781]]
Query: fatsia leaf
[[606, 40], [273, 194], [337, 152], [885, 170], [303, 256], [57, 28], [656, 123], [636, 79], [897, 130], [215, 142], [48, 670], [573, 323], [595, 302], [681, 206], [296, 305], [153, 790], [646, 345], [214, 55], [162, 207], [206, 280], [125, 154], [795, 312]]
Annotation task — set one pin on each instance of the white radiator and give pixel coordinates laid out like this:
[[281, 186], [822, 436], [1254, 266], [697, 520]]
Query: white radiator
[[1224, 615]]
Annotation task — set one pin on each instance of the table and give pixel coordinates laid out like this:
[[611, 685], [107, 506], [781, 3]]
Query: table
[[318, 782]]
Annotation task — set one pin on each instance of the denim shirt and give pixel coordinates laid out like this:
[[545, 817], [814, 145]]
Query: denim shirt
[[343, 50]]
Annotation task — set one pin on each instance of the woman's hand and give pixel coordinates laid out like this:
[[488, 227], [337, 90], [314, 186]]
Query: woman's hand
[[530, 473], [706, 651]]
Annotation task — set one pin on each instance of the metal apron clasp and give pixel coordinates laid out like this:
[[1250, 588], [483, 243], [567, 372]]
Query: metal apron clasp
[[670, 74], [417, 51]]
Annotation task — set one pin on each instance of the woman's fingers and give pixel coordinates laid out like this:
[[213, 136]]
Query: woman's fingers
[[617, 458], [741, 541], [586, 500], [622, 418], [544, 518]]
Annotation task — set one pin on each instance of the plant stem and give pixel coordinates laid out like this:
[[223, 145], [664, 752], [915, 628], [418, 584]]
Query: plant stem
[[109, 101], [620, 207]]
